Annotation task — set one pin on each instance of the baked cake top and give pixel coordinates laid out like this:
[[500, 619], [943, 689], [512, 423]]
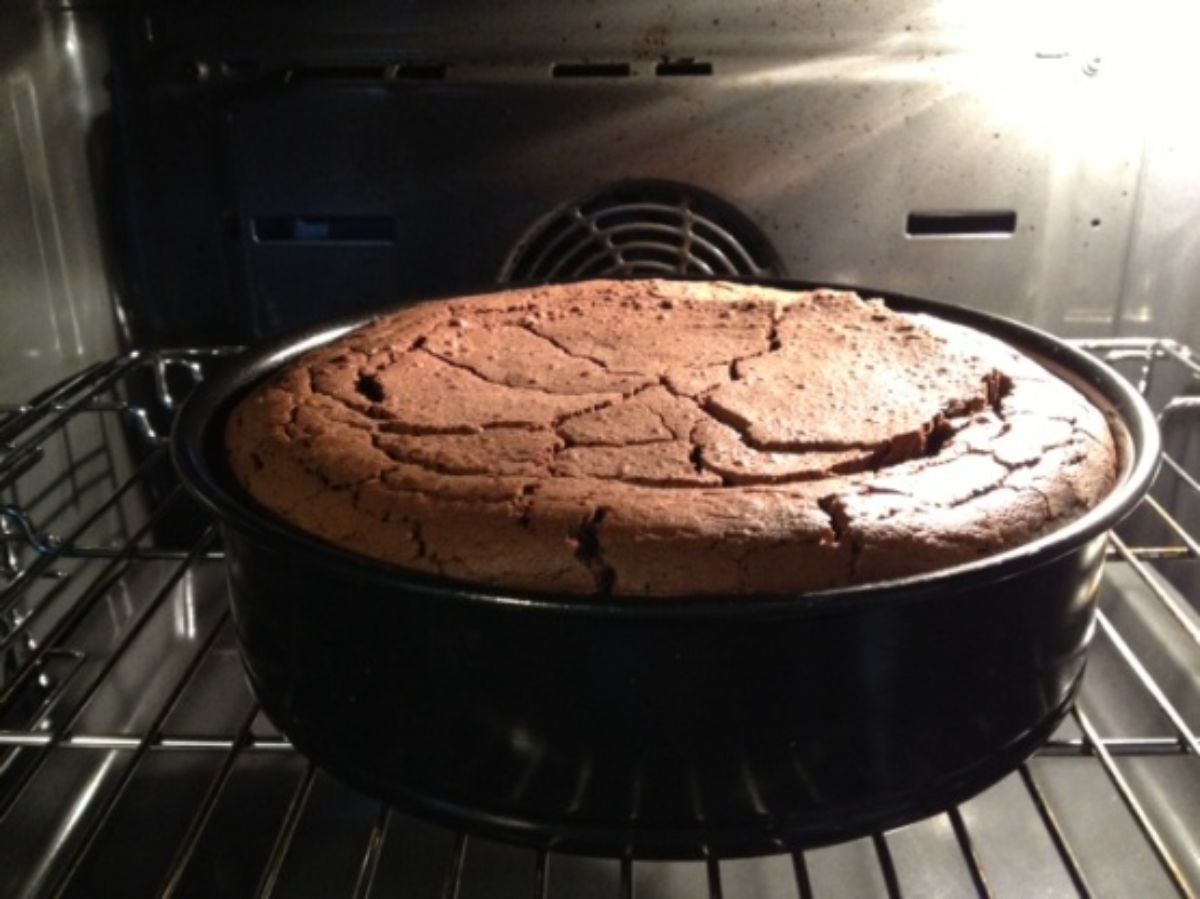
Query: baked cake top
[[665, 437]]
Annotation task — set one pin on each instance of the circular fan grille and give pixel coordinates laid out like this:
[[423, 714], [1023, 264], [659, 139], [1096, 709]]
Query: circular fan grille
[[641, 228]]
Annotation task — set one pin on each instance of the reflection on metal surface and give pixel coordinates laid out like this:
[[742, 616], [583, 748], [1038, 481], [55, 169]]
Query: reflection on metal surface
[[53, 290], [579, 792], [184, 608], [57, 299], [528, 747], [80, 808]]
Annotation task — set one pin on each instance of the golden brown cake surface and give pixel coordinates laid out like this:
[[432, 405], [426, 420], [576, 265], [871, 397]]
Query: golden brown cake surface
[[659, 438]]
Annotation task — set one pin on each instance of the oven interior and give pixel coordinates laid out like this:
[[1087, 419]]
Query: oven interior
[[178, 181]]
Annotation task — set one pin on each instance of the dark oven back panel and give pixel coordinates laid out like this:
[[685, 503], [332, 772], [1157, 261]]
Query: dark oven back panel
[[271, 172]]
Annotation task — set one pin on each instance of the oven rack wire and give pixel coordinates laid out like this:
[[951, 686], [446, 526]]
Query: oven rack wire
[[116, 658]]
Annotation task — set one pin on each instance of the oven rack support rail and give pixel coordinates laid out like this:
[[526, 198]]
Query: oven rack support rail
[[57, 577]]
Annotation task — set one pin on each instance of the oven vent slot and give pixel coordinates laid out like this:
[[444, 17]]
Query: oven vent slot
[[591, 70], [418, 71], [962, 223], [338, 73], [642, 228], [669, 68], [415, 70], [331, 229]]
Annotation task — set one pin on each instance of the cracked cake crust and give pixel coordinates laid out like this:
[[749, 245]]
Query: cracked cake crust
[[661, 438]]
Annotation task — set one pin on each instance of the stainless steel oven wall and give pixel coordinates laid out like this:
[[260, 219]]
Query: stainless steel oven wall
[[1025, 158], [1161, 277], [56, 294], [56, 312]]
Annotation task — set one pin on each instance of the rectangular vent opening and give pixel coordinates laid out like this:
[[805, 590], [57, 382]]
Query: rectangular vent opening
[[419, 71], [962, 223], [324, 229], [591, 70], [683, 67], [339, 73]]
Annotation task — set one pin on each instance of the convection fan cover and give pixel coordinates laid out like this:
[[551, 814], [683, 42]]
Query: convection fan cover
[[642, 228]]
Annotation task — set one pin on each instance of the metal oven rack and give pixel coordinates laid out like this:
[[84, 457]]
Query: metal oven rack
[[133, 760]]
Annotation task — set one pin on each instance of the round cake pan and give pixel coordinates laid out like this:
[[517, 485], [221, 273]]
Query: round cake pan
[[675, 727]]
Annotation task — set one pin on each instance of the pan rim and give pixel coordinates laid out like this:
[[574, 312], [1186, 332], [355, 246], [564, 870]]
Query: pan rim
[[209, 404]]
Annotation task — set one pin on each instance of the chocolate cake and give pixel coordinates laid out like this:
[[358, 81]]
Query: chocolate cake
[[662, 438]]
